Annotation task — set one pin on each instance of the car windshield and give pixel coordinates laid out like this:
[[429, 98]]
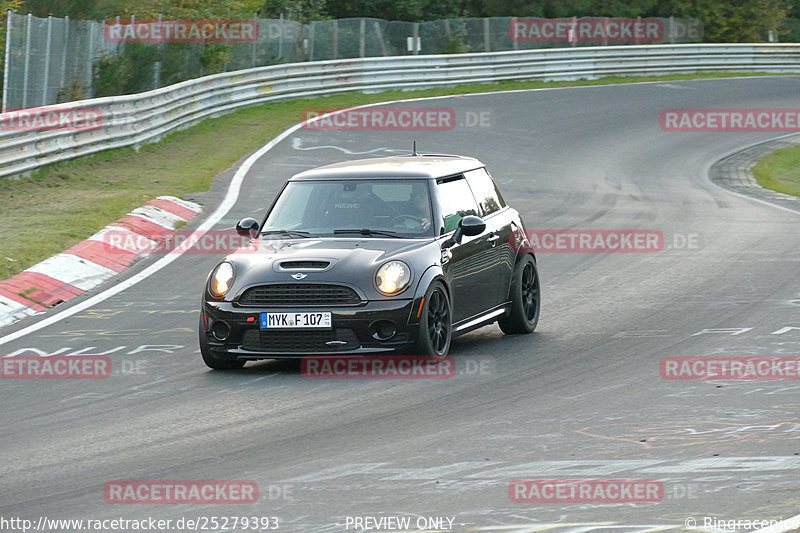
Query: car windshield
[[376, 208]]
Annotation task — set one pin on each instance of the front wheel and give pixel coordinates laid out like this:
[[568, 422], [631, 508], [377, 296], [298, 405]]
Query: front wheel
[[210, 360], [526, 299], [435, 327]]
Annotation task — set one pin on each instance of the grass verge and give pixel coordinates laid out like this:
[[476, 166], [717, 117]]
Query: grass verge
[[64, 203], [780, 171]]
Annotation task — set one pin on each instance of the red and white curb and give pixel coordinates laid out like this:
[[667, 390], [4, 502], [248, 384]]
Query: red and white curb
[[92, 261]]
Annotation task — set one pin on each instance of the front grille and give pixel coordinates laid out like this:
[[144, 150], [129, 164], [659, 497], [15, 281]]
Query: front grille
[[290, 295], [258, 340]]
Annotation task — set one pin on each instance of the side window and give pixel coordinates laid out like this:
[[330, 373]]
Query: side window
[[456, 200], [489, 199]]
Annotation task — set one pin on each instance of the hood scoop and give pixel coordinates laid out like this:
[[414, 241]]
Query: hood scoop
[[315, 264]]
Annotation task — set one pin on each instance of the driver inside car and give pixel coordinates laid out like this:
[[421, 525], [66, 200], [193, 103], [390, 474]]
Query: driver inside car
[[420, 209]]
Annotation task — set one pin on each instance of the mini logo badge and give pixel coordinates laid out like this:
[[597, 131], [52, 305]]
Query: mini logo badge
[[299, 275]]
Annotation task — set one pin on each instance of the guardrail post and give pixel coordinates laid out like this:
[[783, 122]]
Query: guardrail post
[[27, 62], [361, 37], [253, 48], [157, 64], [311, 41], [6, 55], [671, 30], [335, 39], [280, 38], [574, 36], [90, 61], [638, 25], [487, 40], [514, 42], [380, 38], [46, 80], [63, 79]]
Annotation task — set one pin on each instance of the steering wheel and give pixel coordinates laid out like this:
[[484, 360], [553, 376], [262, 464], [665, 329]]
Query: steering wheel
[[403, 217], [418, 223]]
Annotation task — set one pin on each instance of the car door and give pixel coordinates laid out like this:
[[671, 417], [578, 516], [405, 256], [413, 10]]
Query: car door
[[472, 279], [499, 225]]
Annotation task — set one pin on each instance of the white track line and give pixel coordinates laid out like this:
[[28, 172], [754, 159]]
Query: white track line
[[233, 194]]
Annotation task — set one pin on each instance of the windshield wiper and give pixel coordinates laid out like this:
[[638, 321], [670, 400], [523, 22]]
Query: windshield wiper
[[367, 231], [287, 233]]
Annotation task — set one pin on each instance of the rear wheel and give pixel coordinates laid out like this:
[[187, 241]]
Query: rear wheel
[[435, 327], [526, 299], [210, 360]]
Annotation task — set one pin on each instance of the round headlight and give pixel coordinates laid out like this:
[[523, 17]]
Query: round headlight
[[393, 277], [222, 279]]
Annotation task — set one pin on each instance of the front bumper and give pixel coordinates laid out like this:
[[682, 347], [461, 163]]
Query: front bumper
[[354, 331]]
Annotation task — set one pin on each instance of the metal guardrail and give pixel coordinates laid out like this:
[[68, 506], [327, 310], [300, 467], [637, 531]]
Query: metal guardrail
[[51, 60], [137, 119]]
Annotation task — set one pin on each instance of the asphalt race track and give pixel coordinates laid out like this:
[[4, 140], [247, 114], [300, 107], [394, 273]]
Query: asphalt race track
[[581, 398]]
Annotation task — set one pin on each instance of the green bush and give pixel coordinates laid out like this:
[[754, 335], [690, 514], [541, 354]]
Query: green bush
[[130, 72], [74, 90]]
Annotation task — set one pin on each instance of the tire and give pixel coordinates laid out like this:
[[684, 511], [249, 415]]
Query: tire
[[526, 299], [210, 360], [435, 327]]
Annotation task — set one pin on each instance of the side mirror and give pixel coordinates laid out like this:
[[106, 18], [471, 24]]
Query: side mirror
[[470, 226], [247, 227]]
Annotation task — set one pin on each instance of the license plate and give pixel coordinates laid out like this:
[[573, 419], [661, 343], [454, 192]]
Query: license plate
[[302, 319]]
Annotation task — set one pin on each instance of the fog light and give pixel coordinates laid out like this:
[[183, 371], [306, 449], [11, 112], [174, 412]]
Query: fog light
[[220, 330], [383, 330]]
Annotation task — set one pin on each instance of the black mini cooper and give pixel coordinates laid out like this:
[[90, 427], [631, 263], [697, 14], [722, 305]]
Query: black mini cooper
[[395, 254]]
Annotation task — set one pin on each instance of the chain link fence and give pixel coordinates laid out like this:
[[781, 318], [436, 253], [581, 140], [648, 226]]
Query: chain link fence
[[363, 37], [52, 60], [47, 57]]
